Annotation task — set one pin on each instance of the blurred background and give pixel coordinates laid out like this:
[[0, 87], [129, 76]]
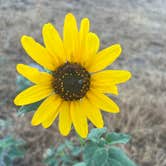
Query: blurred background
[[139, 26]]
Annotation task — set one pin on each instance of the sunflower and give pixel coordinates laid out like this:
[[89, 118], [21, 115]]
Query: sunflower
[[76, 86]]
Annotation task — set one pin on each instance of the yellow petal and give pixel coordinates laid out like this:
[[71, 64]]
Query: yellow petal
[[53, 43], [105, 58], [92, 46], [84, 29], [93, 113], [52, 112], [37, 52], [105, 87], [64, 118], [33, 94], [70, 37], [83, 33], [102, 101], [34, 75], [47, 111], [79, 119], [111, 77]]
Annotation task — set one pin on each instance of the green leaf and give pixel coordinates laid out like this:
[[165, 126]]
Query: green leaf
[[61, 148], [113, 162], [51, 161], [22, 83], [94, 155], [89, 150], [69, 144], [80, 164], [118, 155], [5, 142], [50, 157], [10, 149], [67, 159], [8, 140], [15, 153], [117, 138], [28, 108], [102, 142], [99, 157], [7, 160], [76, 151], [96, 133]]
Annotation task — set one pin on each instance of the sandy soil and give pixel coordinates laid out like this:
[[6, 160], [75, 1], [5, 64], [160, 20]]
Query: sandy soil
[[139, 26]]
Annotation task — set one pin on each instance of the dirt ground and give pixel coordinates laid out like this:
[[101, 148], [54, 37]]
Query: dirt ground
[[139, 26]]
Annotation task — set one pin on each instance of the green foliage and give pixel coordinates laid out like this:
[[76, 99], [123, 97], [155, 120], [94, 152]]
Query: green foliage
[[97, 150], [22, 83], [117, 138], [66, 154], [27, 108], [80, 164], [96, 134], [119, 156], [10, 149]]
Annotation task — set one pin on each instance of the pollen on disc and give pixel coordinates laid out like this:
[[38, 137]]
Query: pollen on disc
[[71, 81]]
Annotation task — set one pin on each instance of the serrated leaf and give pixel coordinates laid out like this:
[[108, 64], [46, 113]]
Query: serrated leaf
[[28, 108], [76, 151], [99, 157], [102, 142], [22, 83], [6, 142], [51, 161], [89, 150], [118, 155], [117, 138], [15, 153], [80, 164], [113, 162], [1, 151], [67, 159], [96, 133], [7, 161], [69, 144], [10, 150], [61, 148]]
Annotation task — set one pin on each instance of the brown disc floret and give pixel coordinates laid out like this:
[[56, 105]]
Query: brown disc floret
[[71, 81]]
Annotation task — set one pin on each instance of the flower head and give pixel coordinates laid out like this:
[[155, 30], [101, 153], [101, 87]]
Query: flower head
[[77, 85]]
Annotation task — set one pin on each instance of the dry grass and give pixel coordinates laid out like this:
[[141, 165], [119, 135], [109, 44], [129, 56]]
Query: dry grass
[[138, 26]]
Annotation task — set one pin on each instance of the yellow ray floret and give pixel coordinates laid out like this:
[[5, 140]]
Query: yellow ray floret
[[65, 121], [105, 57], [33, 94], [37, 52], [76, 88], [79, 118], [54, 44], [34, 75]]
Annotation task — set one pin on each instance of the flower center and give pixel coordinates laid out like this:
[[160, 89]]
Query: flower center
[[71, 81]]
